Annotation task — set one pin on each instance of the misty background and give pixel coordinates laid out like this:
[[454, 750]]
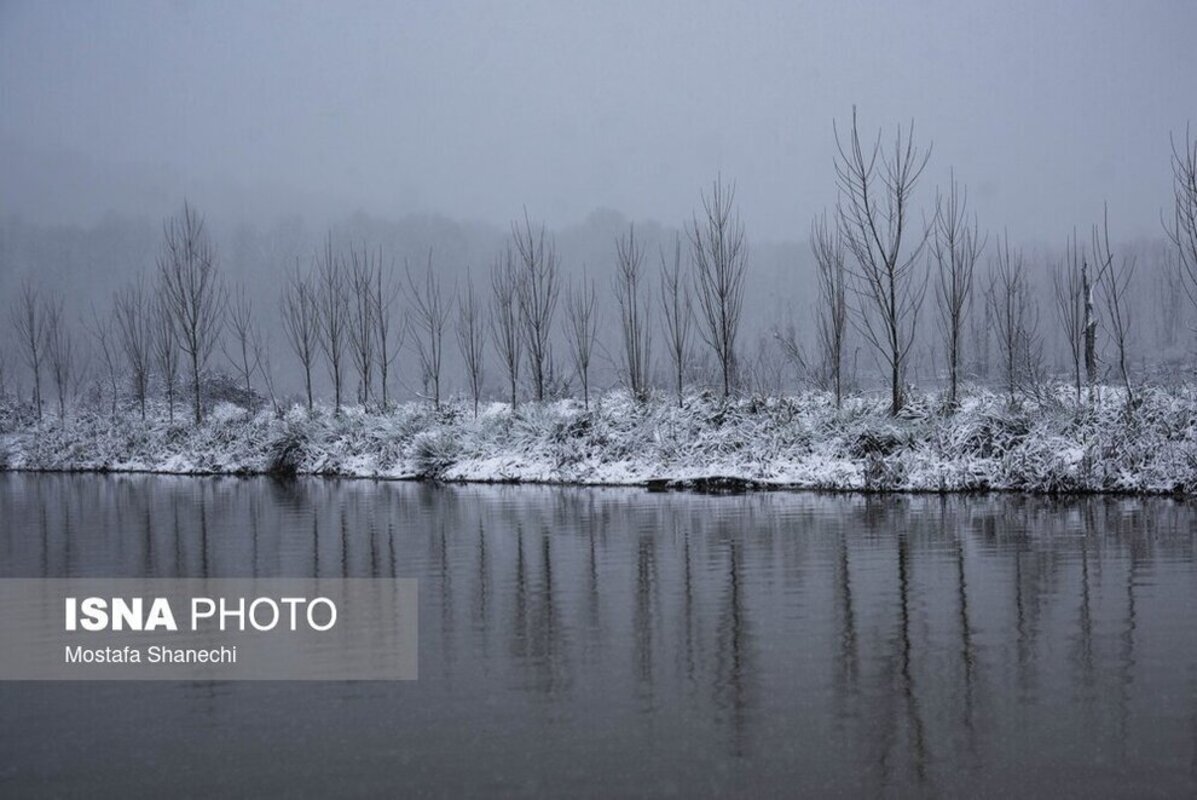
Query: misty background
[[432, 126]]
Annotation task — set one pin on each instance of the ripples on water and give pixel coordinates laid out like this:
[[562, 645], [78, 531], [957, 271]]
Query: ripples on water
[[602, 641]]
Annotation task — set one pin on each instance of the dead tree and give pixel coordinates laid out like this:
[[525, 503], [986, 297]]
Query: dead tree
[[506, 330], [471, 339], [105, 337], [300, 311], [165, 351], [720, 259], [267, 370], [537, 290], [678, 314], [832, 304], [29, 320], [874, 214], [1115, 285], [60, 352], [1182, 229], [244, 353], [581, 331], [132, 307], [955, 248], [389, 337], [634, 299], [332, 301], [1089, 324], [431, 314], [362, 269], [1014, 314], [1069, 290], [193, 293]]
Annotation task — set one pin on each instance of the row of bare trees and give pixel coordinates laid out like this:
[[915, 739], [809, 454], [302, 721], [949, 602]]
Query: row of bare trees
[[181, 317], [875, 259], [876, 251]]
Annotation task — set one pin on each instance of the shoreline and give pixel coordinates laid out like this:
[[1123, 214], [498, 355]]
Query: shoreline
[[790, 443], [708, 485]]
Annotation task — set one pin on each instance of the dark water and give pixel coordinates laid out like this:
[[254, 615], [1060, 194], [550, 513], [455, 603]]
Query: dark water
[[598, 642]]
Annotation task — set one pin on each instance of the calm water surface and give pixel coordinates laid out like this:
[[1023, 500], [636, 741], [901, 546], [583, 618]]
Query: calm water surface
[[598, 641]]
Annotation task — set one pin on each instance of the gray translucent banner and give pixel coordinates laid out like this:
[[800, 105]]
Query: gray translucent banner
[[168, 629]]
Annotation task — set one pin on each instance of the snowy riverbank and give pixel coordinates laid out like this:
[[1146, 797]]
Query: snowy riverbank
[[800, 442]]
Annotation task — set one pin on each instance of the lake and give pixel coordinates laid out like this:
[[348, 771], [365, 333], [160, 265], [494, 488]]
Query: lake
[[589, 641]]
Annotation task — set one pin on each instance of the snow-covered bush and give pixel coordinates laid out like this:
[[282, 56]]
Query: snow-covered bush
[[1046, 444], [434, 452]]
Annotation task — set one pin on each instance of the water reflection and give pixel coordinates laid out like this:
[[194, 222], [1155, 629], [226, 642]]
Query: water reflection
[[609, 641]]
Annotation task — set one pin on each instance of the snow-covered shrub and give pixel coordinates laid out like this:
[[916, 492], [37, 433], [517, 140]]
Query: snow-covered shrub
[[286, 449], [434, 452]]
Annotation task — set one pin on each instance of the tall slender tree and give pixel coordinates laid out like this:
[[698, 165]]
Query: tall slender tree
[[506, 331], [633, 297], [192, 292], [581, 331], [537, 290], [430, 312], [677, 314], [332, 302], [876, 190], [300, 311], [720, 258], [955, 248], [133, 310], [471, 338], [28, 314], [827, 245]]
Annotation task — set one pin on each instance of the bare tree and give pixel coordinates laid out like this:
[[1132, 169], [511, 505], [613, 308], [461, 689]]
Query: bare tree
[[431, 314], [471, 338], [832, 306], [581, 330], [362, 269], [678, 317], [874, 214], [1182, 229], [1014, 313], [390, 336], [105, 337], [332, 301], [1115, 287], [244, 353], [60, 352], [165, 351], [1069, 291], [955, 247], [29, 319], [134, 325], [537, 290], [505, 327], [193, 292], [720, 258], [267, 370], [1089, 283], [300, 310], [634, 299]]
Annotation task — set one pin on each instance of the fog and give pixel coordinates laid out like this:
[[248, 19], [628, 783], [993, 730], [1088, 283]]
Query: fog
[[434, 125], [475, 110]]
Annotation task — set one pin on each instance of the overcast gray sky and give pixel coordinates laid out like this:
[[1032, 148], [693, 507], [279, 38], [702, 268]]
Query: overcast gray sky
[[477, 109]]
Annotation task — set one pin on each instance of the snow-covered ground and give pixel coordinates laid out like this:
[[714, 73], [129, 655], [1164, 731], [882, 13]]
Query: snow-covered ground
[[799, 441]]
